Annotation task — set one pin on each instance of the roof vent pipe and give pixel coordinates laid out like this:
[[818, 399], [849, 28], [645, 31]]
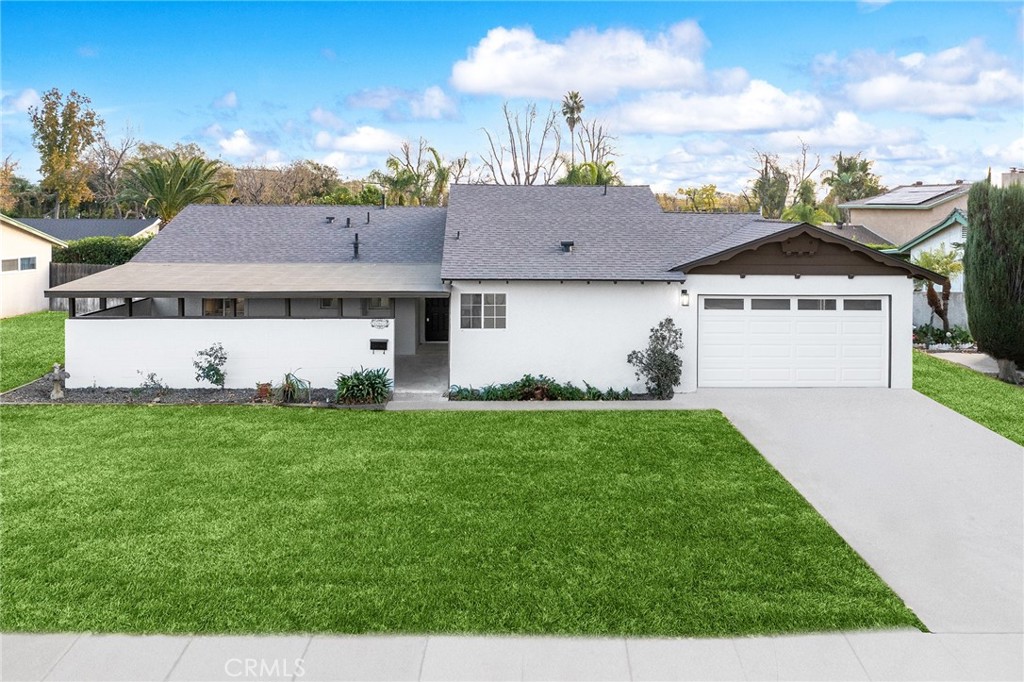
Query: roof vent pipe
[[606, 189], [330, 219], [367, 217], [348, 222], [383, 200], [355, 247]]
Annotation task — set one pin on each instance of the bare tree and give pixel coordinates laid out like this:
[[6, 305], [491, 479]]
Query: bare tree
[[594, 143], [301, 182], [108, 160], [524, 154], [802, 169]]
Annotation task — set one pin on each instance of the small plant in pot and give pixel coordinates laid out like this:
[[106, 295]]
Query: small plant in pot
[[264, 391], [364, 387]]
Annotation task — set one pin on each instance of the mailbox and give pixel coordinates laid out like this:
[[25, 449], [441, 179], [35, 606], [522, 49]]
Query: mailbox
[[378, 344]]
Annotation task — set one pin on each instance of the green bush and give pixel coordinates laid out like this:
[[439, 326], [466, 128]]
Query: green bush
[[209, 364], [536, 388], [100, 250], [930, 334], [660, 366], [364, 387]]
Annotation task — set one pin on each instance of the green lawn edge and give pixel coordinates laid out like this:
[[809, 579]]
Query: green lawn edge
[[992, 403], [203, 520], [29, 345]]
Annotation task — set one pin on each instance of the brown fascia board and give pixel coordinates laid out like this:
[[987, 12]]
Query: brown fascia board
[[915, 271]]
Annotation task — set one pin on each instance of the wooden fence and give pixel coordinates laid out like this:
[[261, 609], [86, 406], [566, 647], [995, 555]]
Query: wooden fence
[[62, 273]]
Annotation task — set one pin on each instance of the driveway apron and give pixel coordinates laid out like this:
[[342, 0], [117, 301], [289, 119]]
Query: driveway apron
[[933, 501]]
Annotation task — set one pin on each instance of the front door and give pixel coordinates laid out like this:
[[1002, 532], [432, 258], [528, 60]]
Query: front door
[[436, 319]]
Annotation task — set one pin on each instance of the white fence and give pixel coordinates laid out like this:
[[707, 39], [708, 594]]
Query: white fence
[[112, 352]]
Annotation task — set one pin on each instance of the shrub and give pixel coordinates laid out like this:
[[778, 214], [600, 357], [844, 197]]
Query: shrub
[[929, 335], [536, 388], [209, 364], [292, 389], [659, 366], [100, 250], [364, 387]]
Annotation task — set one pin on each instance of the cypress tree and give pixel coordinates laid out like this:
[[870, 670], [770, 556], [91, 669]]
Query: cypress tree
[[994, 274]]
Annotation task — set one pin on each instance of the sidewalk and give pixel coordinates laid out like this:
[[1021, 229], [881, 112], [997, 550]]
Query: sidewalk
[[891, 655]]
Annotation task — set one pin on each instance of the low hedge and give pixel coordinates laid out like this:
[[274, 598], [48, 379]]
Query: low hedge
[[100, 250], [536, 388]]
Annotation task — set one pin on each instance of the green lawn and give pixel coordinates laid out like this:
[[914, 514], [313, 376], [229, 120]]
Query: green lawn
[[29, 345], [228, 519], [990, 402]]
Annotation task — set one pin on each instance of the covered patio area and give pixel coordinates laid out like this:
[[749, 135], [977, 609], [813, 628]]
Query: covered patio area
[[424, 375]]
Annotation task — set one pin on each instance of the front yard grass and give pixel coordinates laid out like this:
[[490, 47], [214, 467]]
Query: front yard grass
[[249, 520], [988, 401], [29, 345]]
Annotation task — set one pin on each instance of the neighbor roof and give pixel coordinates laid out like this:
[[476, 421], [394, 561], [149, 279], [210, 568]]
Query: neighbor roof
[[912, 197], [69, 229], [857, 233], [618, 233], [955, 217], [266, 280], [20, 225], [298, 234]]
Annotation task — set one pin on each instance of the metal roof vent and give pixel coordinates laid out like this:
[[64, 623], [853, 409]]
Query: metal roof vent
[[330, 219], [567, 246], [355, 247], [918, 183], [348, 222]]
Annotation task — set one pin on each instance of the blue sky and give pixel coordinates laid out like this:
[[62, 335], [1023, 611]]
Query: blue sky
[[932, 91]]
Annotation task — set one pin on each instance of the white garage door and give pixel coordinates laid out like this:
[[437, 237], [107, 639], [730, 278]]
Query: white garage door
[[793, 341]]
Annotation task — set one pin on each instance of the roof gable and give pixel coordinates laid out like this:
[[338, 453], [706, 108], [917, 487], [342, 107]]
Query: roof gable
[[955, 217], [28, 229], [802, 242]]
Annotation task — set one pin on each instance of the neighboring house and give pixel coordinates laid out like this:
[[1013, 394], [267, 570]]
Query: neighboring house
[[561, 281], [857, 233], [25, 259], [905, 212], [947, 234], [69, 229]]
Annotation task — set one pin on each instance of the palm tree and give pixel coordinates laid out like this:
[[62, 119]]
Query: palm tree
[[572, 109], [172, 183], [591, 173], [806, 213]]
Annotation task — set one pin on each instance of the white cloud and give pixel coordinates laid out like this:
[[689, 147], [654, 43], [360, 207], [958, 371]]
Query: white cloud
[[514, 62], [229, 100], [362, 139], [760, 106], [845, 131], [325, 118], [20, 103], [1007, 155], [398, 104], [951, 83], [239, 145], [347, 163]]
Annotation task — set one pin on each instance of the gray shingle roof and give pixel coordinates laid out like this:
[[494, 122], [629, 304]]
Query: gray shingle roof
[[753, 229], [857, 233], [68, 229], [298, 234], [499, 232]]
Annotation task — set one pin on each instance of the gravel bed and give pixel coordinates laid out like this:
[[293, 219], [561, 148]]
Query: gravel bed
[[39, 392]]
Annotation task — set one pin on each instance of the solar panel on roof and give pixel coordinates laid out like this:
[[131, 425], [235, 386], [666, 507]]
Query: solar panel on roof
[[912, 195]]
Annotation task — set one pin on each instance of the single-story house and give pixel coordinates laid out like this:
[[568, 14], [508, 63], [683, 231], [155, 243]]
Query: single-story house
[[70, 229], [25, 255], [905, 212], [561, 281]]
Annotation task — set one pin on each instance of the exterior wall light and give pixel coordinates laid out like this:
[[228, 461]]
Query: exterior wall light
[[684, 298]]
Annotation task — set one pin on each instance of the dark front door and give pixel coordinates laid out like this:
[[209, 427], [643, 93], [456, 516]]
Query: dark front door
[[437, 319]]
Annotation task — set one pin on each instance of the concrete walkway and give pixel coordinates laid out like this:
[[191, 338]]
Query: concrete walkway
[[895, 655], [931, 500]]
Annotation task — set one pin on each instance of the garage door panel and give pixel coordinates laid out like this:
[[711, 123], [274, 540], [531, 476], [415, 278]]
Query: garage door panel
[[793, 347]]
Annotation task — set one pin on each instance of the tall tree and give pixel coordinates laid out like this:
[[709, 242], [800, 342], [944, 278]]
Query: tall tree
[[771, 186], [703, 199], [524, 154], [7, 198], [591, 174], [994, 274], [851, 179], [62, 129], [420, 177], [572, 110], [108, 161], [806, 213], [171, 184]]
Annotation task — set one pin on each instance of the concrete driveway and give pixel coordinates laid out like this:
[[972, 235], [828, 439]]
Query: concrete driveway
[[933, 501]]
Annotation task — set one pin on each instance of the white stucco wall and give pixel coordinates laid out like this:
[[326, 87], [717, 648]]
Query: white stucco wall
[[951, 235], [571, 332], [900, 289], [111, 351], [583, 332], [21, 291]]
